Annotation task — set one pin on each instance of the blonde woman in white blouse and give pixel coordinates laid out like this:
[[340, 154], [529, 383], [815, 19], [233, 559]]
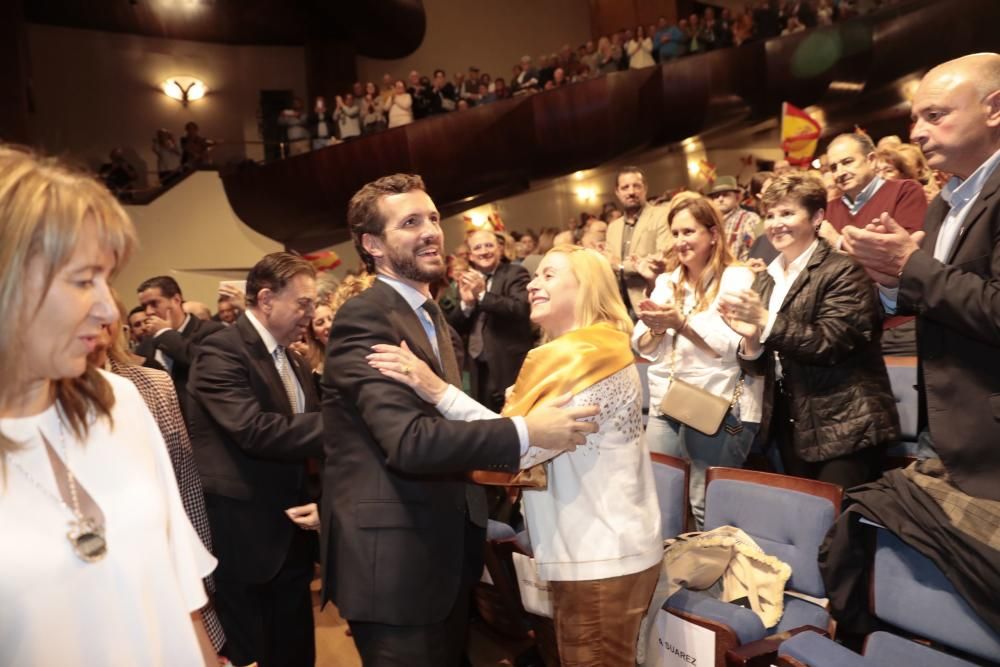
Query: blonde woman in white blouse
[[595, 528], [682, 334]]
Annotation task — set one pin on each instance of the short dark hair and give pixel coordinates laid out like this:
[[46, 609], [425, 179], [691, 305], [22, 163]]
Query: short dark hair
[[168, 286], [273, 272], [803, 188], [137, 309], [439, 71], [364, 215], [629, 169]]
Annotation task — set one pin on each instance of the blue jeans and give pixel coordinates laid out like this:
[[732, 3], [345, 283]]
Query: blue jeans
[[666, 436]]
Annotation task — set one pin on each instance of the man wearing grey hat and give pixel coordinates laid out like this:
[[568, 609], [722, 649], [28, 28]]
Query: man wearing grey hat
[[742, 226]]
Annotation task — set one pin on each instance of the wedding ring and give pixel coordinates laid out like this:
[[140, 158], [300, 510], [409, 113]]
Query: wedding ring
[[406, 369]]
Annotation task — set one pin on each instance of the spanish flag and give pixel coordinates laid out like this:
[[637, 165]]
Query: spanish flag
[[323, 261], [799, 134]]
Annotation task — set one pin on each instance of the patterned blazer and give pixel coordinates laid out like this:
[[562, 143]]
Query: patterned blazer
[[157, 391]]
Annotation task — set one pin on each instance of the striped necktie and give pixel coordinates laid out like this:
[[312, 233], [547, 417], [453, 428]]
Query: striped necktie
[[285, 372]]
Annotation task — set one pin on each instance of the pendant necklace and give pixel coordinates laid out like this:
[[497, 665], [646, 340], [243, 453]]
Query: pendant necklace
[[85, 534]]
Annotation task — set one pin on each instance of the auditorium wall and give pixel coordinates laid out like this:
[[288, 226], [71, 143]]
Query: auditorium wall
[[490, 34], [92, 91]]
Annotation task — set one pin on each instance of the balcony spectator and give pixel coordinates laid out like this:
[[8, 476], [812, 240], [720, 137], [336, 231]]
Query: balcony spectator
[[444, 92], [589, 57], [296, 124], [372, 112], [358, 90], [559, 77], [765, 21], [710, 30], [693, 29], [824, 13], [526, 80], [425, 103], [606, 62], [640, 50], [792, 26], [484, 95], [168, 156], [546, 67], [387, 91], [500, 89], [488, 80], [400, 106], [348, 115], [195, 149], [670, 42], [320, 124], [118, 174], [724, 33], [471, 85]]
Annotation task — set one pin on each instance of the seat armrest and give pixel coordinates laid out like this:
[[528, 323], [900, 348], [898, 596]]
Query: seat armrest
[[762, 653], [810, 648]]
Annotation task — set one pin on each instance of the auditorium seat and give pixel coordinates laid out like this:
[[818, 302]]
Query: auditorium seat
[[909, 593], [788, 518], [670, 474]]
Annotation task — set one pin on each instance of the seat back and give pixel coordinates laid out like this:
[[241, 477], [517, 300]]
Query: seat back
[[910, 592], [788, 517], [903, 378], [670, 474]]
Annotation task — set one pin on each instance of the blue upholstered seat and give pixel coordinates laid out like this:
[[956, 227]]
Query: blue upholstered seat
[[785, 523], [671, 482], [815, 650]]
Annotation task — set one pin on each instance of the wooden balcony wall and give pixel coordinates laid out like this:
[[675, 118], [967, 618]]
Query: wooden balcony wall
[[468, 157]]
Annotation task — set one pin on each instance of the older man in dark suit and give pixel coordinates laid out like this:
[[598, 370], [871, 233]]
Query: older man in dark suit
[[254, 421], [951, 278], [494, 314], [402, 530], [172, 336]]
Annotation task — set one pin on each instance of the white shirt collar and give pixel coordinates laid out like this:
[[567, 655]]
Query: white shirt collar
[[269, 341], [866, 193], [410, 294], [184, 324], [776, 269]]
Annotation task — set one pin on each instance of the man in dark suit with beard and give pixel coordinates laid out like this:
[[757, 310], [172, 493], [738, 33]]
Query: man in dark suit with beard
[[402, 531], [494, 314], [254, 421]]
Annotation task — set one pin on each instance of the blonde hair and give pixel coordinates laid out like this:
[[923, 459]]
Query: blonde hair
[[46, 208], [707, 215], [598, 299]]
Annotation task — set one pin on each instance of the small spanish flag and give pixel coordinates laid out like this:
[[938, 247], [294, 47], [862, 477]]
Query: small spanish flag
[[324, 260], [799, 134]]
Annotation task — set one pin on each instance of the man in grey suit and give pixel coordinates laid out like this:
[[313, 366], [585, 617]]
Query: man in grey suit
[[402, 531]]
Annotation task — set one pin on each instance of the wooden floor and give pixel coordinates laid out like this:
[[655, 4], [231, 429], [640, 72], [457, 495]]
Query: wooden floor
[[334, 648]]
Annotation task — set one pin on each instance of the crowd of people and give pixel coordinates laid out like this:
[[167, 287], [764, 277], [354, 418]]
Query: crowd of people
[[371, 107], [204, 464]]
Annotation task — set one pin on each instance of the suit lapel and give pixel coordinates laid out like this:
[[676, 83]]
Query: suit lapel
[[409, 325], [976, 212], [936, 213], [264, 362]]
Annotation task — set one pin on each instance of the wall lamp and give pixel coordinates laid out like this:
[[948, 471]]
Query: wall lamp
[[184, 89]]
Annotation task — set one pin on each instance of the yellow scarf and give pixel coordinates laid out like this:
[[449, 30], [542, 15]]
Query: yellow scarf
[[569, 364]]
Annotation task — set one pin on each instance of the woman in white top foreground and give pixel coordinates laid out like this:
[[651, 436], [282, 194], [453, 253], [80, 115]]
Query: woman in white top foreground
[[101, 564], [683, 335], [595, 529]]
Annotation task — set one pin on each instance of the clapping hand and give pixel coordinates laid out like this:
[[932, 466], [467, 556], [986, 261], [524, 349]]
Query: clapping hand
[[883, 247], [658, 317], [744, 312]]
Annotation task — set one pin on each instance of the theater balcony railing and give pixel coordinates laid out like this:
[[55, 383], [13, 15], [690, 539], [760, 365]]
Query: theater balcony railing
[[470, 157]]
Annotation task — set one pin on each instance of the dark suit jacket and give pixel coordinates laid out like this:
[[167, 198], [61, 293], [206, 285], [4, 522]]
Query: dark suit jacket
[[181, 346], [958, 340], [507, 335], [394, 495], [250, 448]]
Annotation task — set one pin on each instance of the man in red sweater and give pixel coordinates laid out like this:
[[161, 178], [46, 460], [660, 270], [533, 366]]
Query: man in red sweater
[[867, 196]]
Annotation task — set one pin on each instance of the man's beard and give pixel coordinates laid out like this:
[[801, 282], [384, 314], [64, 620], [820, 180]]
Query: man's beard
[[405, 266]]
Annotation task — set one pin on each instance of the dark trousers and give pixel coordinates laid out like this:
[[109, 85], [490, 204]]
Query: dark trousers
[[440, 644], [860, 467], [272, 622]]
